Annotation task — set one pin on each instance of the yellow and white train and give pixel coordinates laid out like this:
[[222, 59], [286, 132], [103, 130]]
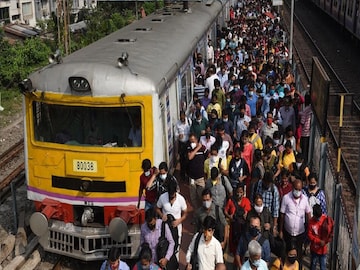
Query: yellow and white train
[[93, 116]]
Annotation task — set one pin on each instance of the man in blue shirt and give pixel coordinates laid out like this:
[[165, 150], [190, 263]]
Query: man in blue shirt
[[253, 233]]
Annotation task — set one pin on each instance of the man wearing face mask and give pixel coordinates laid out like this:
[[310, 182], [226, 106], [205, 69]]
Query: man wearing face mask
[[198, 126], [255, 261], [265, 107], [300, 168], [295, 211], [219, 186], [213, 161], [269, 128], [253, 233], [195, 169], [146, 179], [162, 180], [241, 123], [151, 232], [208, 208], [319, 237], [261, 211], [252, 99]]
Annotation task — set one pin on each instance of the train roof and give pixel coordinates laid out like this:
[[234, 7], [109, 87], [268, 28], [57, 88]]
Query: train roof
[[157, 46]]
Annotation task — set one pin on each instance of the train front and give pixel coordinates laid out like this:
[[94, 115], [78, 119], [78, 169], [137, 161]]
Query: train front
[[85, 140]]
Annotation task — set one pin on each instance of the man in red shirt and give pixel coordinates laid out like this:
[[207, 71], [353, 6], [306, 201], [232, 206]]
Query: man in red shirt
[[319, 237], [146, 177]]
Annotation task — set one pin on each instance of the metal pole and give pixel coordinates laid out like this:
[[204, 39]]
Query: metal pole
[[340, 132], [291, 32]]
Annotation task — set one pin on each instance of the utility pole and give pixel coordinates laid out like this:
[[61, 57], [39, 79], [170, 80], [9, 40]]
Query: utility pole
[[63, 18]]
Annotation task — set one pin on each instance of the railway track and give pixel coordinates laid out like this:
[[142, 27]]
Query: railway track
[[306, 45]]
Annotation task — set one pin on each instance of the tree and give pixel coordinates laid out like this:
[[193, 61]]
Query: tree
[[20, 59]]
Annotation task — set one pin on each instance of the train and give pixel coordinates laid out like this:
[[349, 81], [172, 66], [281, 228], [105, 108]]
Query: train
[[344, 12], [91, 118]]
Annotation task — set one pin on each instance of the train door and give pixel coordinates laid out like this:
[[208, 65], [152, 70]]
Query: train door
[[167, 131]]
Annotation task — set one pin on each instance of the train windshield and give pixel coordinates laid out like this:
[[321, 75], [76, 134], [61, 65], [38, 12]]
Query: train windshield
[[88, 126]]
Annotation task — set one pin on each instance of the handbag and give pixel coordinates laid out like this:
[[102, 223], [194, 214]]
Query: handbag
[[163, 244]]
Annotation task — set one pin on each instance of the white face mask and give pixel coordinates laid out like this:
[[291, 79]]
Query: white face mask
[[259, 209], [147, 173], [297, 193], [163, 176], [276, 141], [193, 145], [298, 164], [213, 158], [225, 119], [256, 263], [207, 204]]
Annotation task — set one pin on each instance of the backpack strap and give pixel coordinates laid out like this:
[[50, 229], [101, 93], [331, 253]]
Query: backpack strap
[[196, 246], [261, 240], [162, 229], [217, 212]]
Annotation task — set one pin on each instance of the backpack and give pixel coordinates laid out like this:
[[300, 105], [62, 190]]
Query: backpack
[[163, 244], [327, 229], [162, 247]]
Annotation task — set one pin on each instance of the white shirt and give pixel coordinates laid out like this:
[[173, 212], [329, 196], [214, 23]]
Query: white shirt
[[207, 143], [247, 266], [209, 83], [174, 209], [208, 254], [184, 129]]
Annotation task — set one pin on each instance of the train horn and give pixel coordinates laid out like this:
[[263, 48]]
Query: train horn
[[123, 59], [55, 57]]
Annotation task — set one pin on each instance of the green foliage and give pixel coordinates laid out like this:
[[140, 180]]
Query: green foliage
[[20, 59], [149, 7]]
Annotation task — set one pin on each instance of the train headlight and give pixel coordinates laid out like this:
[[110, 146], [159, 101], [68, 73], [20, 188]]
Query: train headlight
[[87, 216], [79, 84]]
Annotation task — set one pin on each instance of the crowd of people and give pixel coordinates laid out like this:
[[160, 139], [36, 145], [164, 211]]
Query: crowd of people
[[243, 150]]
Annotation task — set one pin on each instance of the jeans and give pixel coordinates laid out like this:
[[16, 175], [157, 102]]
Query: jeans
[[314, 260]]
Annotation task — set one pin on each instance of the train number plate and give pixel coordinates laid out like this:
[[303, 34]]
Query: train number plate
[[84, 166]]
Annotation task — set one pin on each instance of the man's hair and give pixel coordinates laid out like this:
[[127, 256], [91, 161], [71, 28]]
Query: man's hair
[[317, 211], [146, 164], [114, 254], [145, 252], [254, 248], [205, 192], [172, 187], [150, 214], [214, 173], [268, 177], [163, 166], [209, 223], [216, 82]]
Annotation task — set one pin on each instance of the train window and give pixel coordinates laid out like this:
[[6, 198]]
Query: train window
[[88, 126]]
